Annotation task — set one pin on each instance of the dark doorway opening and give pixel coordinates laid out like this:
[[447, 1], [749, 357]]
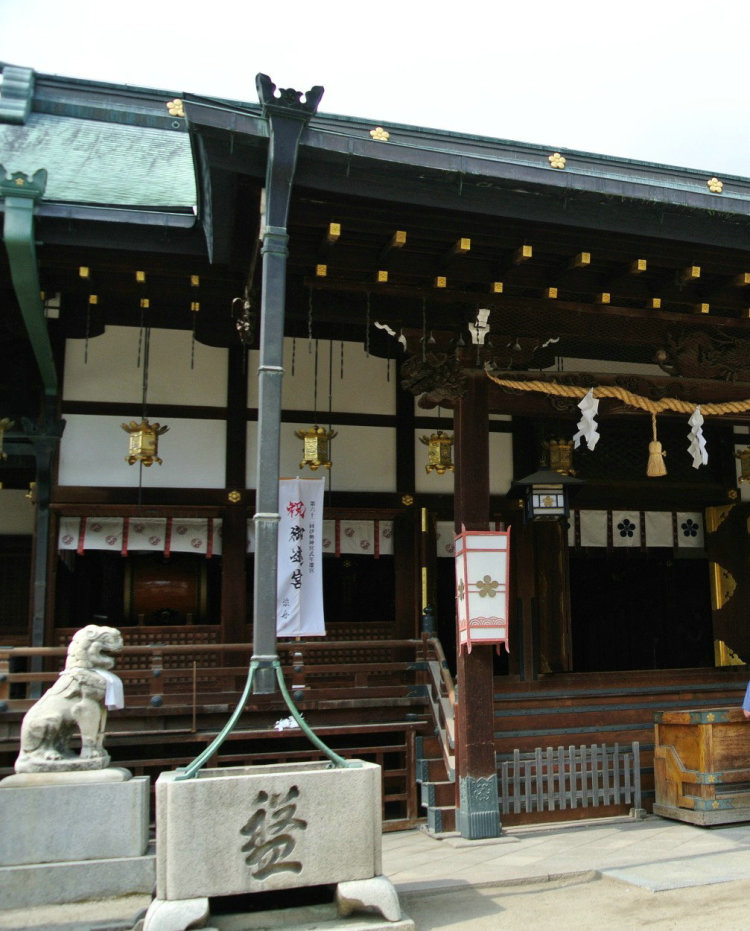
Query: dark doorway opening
[[640, 611]]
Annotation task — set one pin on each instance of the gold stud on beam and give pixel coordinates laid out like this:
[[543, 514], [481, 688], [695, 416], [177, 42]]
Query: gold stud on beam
[[440, 281], [496, 287], [381, 276], [655, 303], [84, 271], [140, 277], [397, 241], [461, 246], [582, 260], [195, 306], [195, 281], [550, 293], [702, 308], [604, 297], [93, 299], [690, 273], [321, 271], [145, 304], [334, 233], [638, 266], [742, 280], [522, 254]]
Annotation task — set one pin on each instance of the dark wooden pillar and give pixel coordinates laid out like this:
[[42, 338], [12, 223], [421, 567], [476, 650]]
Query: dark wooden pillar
[[234, 527], [478, 813]]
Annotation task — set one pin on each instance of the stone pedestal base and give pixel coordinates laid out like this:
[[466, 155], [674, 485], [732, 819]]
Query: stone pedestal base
[[249, 829], [68, 837], [478, 814]]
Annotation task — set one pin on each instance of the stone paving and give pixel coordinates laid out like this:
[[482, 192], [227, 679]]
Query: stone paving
[[654, 853], [582, 869]]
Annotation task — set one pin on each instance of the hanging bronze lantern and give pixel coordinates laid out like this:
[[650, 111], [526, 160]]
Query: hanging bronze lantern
[[5, 424], [560, 454], [144, 441], [315, 447], [439, 452], [744, 456]]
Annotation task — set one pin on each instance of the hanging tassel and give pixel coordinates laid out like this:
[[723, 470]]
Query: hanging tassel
[[656, 455]]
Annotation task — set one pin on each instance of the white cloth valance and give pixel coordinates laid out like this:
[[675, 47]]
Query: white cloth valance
[[128, 534], [639, 529], [201, 535]]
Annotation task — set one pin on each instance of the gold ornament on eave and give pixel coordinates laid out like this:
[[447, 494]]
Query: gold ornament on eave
[[5, 424], [439, 452], [144, 441], [315, 442]]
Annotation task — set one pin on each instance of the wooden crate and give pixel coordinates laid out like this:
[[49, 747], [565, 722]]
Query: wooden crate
[[702, 765]]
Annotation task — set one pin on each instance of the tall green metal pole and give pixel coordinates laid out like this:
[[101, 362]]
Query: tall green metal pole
[[287, 116]]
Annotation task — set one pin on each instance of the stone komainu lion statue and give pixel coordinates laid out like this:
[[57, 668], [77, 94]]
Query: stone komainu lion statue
[[75, 703]]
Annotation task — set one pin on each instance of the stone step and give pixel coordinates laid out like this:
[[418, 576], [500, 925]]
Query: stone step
[[441, 819], [438, 793], [428, 747], [431, 770]]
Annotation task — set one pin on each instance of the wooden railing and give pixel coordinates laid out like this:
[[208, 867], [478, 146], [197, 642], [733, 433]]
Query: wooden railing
[[192, 674], [442, 698], [579, 777], [178, 696]]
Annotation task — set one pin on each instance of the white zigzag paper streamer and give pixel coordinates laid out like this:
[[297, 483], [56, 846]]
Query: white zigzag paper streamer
[[589, 406], [697, 447]]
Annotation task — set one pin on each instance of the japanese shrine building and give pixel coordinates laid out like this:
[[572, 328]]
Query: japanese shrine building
[[434, 282]]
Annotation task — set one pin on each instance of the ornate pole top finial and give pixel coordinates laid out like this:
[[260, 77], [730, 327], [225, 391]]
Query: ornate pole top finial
[[288, 101]]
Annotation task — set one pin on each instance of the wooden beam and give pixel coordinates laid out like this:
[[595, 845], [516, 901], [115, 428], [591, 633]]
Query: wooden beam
[[523, 254]]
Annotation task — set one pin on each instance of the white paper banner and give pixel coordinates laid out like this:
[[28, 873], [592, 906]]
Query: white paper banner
[[148, 535], [356, 537], [626, 528], [445, 534], [593, 528], [659, 528], [299, 610], [689, 530]]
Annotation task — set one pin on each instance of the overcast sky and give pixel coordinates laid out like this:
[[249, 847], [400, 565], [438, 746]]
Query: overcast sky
[[660, 81]]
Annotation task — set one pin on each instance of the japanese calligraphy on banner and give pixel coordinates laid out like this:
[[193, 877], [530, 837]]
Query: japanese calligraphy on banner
[[299, 605]]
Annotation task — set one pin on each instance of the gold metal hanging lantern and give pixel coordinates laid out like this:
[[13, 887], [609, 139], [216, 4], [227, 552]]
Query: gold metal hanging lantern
[[439, 452], [5, 424], [315, 454], [560, 454], [144, 441]]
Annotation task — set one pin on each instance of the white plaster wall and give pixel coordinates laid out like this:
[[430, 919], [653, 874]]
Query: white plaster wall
[[364, 388], [93, 451], [364, 458], [501, 463], [112, 374], [16, 513]]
